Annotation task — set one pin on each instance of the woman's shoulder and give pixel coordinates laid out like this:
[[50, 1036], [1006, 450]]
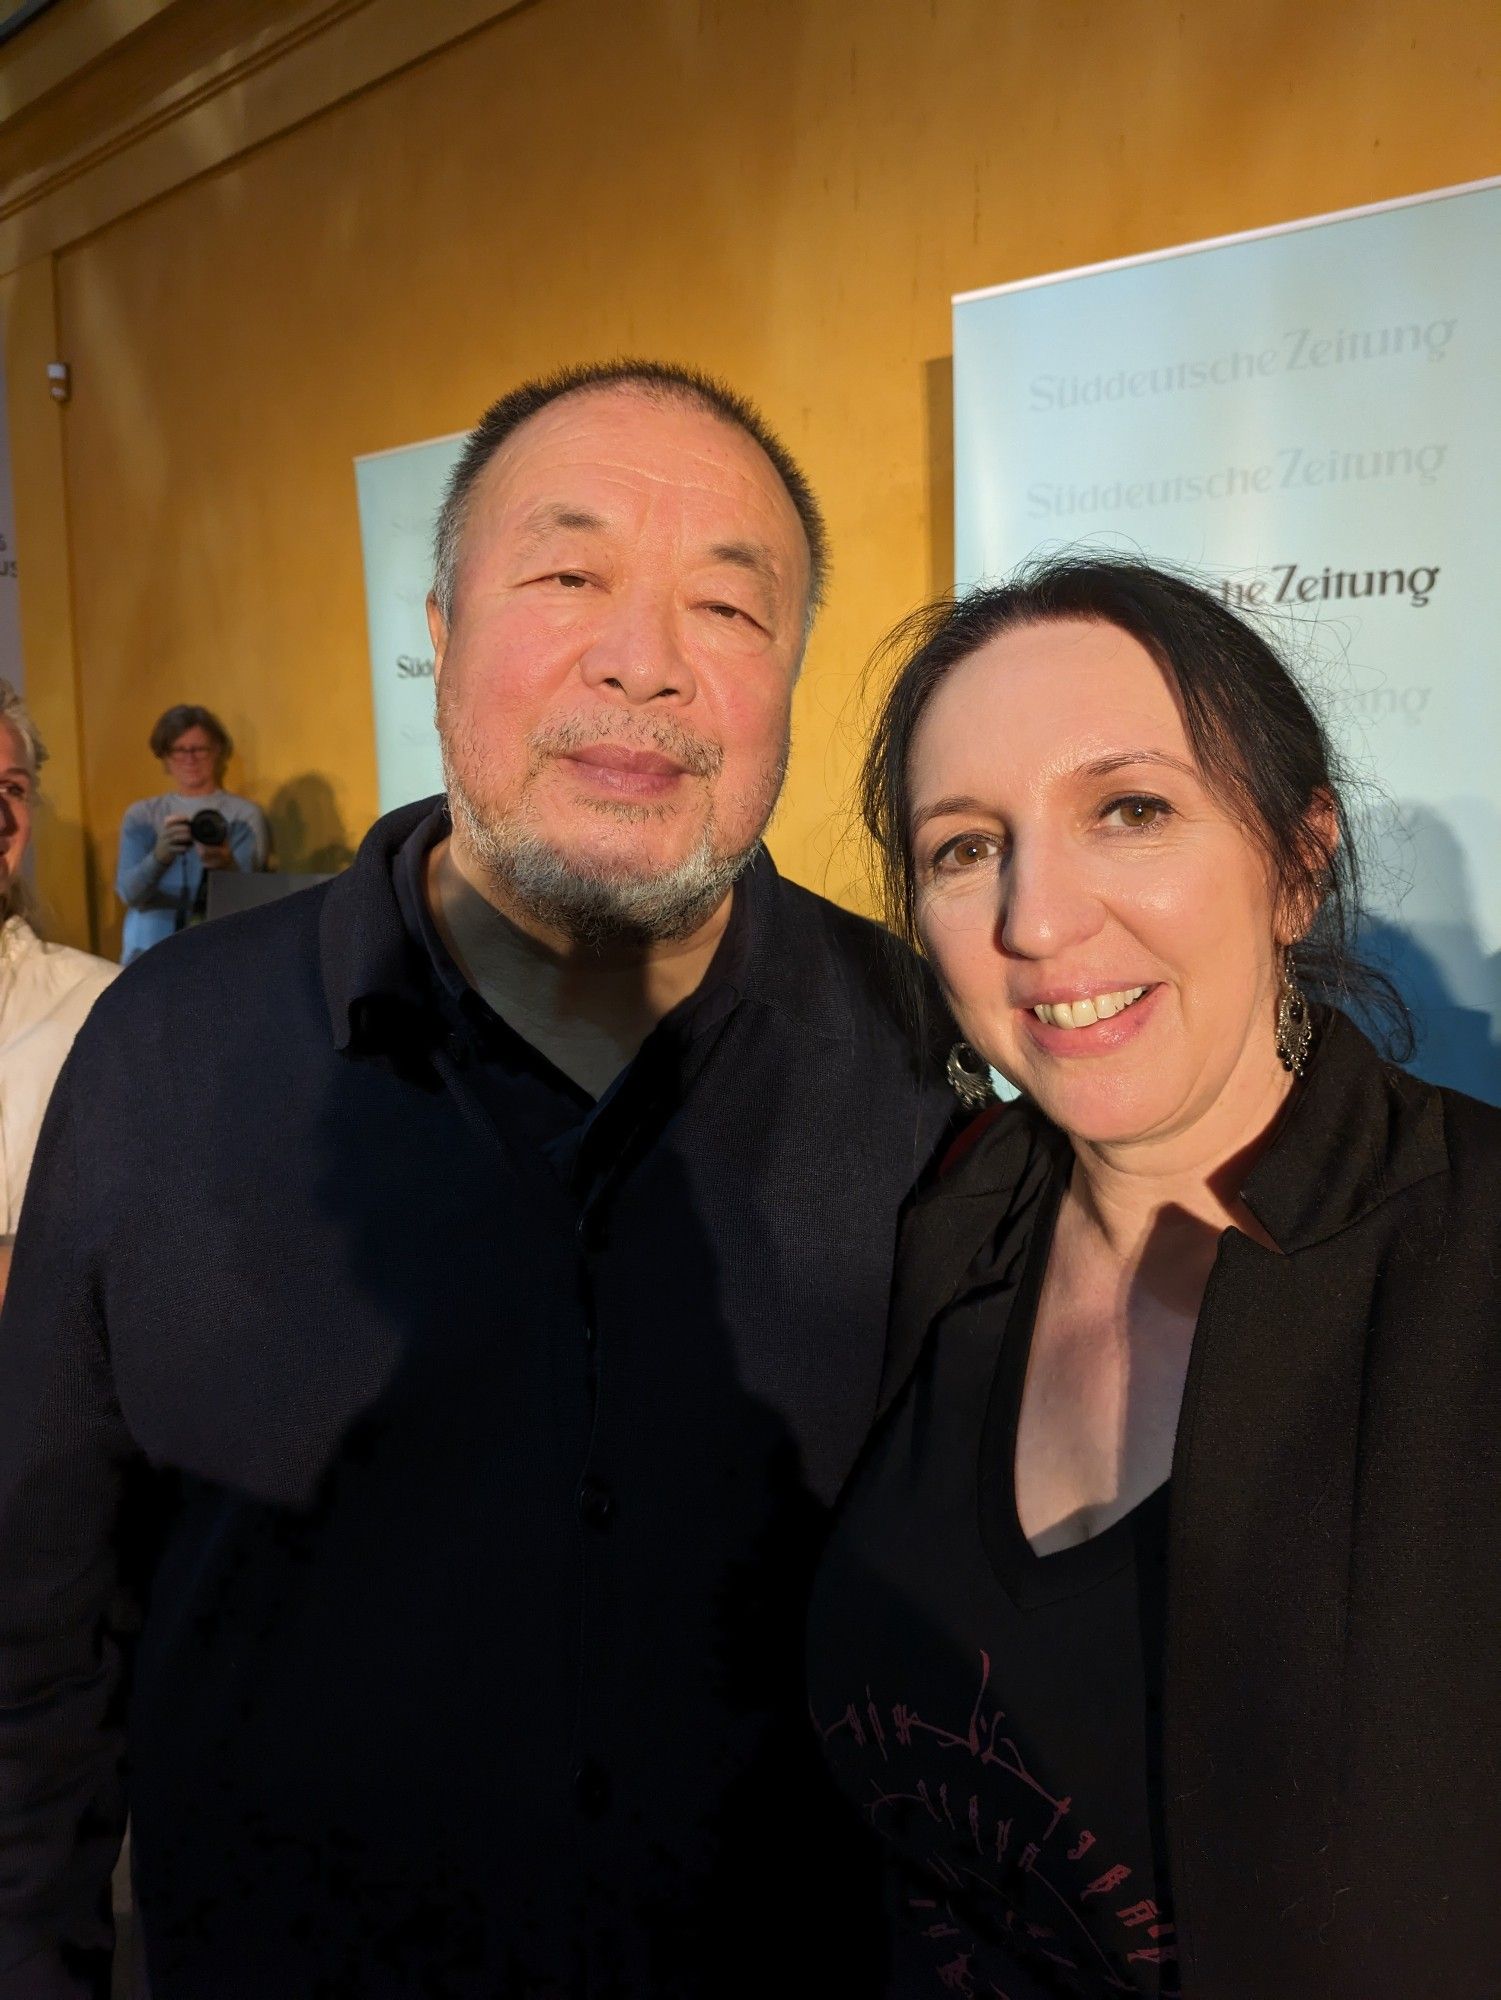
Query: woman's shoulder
[[1472, 1131], [238, 803], [998, 1146], [48, 978]]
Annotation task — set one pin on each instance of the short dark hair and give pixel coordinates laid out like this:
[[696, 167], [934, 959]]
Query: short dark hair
[[1257, 739], [662, 379], [179, 720]]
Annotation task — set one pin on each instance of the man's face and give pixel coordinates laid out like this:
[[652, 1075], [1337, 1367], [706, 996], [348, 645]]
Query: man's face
[[614, 686]]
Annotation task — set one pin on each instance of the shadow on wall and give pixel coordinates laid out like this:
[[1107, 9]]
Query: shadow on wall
[[307, 829], [1439, 962]]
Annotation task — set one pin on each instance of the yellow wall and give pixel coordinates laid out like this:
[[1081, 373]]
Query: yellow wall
[[787, 191]]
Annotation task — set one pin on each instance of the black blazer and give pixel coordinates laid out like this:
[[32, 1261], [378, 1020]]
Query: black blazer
[[1333, 1700]]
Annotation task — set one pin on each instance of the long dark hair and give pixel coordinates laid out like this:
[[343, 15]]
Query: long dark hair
[[1260, 745]]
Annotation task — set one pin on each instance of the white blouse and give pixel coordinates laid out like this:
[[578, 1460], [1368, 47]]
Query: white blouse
[[45, 992]]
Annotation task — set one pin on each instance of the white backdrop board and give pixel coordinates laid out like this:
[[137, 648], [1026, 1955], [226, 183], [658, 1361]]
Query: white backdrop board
[[1311, 416], [399, 495]]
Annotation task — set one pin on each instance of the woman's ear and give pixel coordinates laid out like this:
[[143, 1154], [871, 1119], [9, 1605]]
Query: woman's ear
[[1318, 843]]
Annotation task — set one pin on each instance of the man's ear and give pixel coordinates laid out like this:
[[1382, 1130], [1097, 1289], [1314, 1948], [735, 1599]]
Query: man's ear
[[437, 631], [1318, 843]]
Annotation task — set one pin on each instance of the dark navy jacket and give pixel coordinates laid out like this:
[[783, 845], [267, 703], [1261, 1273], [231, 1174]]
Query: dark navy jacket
[[452, 1545]]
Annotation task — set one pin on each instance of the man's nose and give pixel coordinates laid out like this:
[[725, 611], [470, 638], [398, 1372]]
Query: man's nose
[[636, 651], [1046, 901]]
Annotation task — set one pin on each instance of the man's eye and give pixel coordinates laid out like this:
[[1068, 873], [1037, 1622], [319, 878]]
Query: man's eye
[[730, 612], [1137, 813], [571, 579], [965, 850]]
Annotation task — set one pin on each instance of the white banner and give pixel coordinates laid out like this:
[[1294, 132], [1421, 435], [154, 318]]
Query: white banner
[[399, 495], [1312, 416]]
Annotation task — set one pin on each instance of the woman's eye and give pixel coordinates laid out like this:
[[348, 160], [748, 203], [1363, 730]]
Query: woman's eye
[[1136, 813], [966, 850]]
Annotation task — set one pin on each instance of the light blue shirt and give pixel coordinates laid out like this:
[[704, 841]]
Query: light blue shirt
[[159, 896]]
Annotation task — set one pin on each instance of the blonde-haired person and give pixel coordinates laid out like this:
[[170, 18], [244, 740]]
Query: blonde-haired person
[[45, 989]]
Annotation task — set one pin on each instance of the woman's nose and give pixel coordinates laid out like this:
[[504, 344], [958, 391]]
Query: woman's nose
[[1046, 901]]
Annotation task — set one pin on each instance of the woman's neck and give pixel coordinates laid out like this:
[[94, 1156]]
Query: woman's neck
[[1137, 1197]]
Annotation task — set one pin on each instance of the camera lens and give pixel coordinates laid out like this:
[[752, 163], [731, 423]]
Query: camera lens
[[209, 827]]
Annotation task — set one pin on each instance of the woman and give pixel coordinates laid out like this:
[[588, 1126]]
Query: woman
[[169, 844], [45, 989], [1158, 1638]]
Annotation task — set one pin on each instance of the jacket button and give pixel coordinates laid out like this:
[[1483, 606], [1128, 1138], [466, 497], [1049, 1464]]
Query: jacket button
[[458, 1050], [591, 1787], [596, 1504]]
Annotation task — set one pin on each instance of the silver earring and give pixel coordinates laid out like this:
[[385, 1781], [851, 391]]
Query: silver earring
[[969, 1077], [1294, 1021]]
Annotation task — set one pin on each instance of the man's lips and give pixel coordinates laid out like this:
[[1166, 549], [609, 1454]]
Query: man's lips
[[615, 770], [632, 763]]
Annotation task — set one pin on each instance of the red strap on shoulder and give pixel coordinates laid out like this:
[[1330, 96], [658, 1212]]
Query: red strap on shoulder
[[965, 1141]]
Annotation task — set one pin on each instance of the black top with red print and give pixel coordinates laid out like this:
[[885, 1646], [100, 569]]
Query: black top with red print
[[993, 1713]]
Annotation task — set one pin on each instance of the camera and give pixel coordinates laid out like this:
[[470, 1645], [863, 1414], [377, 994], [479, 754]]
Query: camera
[[209, 827]]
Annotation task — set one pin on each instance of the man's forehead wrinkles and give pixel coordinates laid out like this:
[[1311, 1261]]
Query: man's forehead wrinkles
[[632, 472]]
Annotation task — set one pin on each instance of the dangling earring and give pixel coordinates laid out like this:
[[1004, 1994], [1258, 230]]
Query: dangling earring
[[1294, 1021], [969, 1077]]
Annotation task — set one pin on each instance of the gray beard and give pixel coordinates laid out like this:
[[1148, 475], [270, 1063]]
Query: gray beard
[[592, 909], [598, 908]]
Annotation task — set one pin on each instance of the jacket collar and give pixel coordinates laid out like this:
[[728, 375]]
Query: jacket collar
[[1357, 1131], [372, 975], [375, 980]]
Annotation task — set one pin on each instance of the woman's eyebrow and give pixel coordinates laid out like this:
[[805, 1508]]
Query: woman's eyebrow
[[958, 802], [1102, 767]]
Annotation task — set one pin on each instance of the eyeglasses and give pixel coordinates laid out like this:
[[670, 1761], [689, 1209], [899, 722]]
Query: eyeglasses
[[191, 750]]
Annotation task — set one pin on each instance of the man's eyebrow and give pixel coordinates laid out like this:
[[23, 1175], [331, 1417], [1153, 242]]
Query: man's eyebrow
[[15, 771], [754, 556], [1102, 767], [558, 514]]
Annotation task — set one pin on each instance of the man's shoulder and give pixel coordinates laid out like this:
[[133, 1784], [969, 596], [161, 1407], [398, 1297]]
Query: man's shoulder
[[804, 913], [879, 974], [241, 958]]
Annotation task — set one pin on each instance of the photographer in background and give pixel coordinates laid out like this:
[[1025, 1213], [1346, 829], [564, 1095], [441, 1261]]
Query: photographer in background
[[170, 842], [45, 989]]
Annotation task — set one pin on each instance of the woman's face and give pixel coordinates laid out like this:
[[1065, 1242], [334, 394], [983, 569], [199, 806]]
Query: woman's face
[[1070, 858], [16, 788], [193, 762]]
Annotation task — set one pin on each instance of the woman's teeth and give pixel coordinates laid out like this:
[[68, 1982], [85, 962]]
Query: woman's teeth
[[1084, 1013]]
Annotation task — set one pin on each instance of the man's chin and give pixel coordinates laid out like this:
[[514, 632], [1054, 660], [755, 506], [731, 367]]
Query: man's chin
[[600, 896]]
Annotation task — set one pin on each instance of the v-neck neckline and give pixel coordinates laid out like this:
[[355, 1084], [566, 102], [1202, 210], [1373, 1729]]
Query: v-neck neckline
[[1026, 1576]]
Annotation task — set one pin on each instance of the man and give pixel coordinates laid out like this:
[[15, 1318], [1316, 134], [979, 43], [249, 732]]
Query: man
[[456, 1346]]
